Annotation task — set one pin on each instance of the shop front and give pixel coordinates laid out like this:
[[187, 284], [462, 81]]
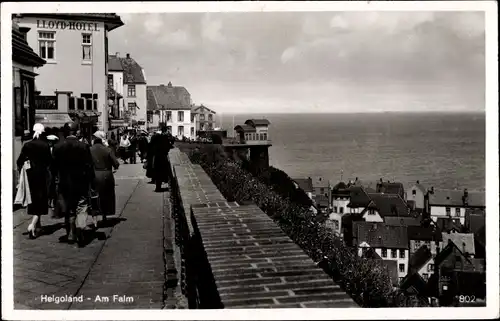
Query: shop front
[[87, 122]]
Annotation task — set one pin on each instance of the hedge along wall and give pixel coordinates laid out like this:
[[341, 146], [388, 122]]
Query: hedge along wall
[[366, 282]]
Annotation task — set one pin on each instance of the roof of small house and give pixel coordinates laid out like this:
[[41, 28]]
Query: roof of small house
[[132, 71], [448, 224], [420, 258], [21, 51], [389, 204], [464, 241], [380, 235], [321, 200], [196, 109], [257, 122], [454, 198], [152, 103], [420, 233], [169, 97], [403, 221], [114, 63], [413, 282], [391, 188], [304, 183], [358, 197], [245, 129]]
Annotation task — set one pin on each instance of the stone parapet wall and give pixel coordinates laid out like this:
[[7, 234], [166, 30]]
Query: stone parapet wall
[[235, 256]]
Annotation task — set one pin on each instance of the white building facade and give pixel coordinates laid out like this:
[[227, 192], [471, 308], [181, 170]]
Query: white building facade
[[75, 48]]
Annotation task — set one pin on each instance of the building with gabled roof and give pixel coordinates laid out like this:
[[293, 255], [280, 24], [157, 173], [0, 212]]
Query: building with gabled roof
[[174, 106], [254, 132], [389, 242], [75, 46], [452, 203], [204, 118], [416, 193]]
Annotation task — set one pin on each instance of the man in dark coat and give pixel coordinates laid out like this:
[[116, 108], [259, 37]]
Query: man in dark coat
[[161, 145], [133, 148], [73, 165], [143, 146]]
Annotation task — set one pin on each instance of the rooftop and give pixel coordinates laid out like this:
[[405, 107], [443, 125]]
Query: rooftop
[[380, 235], [304, 183], [358, 197], [21, 51], [420, 233], [455, 198], [196, 109], [420, 258], [257, 122], [167, 97], [389, 204], [402, 221], [464, 241], [245, 129]]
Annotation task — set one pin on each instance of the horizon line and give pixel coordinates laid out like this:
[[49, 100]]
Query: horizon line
[[360, 112]]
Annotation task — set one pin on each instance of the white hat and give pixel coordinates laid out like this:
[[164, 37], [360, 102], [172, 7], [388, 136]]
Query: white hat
[[38, 129], [52, 137], [100, 134], [158, 132]]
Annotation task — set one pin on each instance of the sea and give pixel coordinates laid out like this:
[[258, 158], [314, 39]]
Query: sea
[[441, 150]]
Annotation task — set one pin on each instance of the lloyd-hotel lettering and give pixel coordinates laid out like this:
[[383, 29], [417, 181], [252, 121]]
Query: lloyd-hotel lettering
[[71, 25]]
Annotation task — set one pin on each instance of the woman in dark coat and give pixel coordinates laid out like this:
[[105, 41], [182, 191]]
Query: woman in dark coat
[[37, 152], [104, 162]]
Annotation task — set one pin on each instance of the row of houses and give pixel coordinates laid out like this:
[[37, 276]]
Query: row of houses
[[431, 241]]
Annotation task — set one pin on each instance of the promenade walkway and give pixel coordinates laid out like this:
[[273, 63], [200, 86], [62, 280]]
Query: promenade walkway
[[121, 267]]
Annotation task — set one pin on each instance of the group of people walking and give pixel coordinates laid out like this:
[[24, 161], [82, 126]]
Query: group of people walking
[[75, 178]]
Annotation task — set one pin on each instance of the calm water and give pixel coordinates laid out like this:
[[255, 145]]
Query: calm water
[[441, 150]]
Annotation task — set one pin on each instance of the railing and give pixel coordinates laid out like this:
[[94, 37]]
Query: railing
[[46, 102]]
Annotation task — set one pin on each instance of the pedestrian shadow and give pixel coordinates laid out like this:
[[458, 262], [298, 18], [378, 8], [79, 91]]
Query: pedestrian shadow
[[110, 222], [48, 229]]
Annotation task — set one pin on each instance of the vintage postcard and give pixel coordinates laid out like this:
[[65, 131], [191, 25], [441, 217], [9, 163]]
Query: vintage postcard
[[275, 160]]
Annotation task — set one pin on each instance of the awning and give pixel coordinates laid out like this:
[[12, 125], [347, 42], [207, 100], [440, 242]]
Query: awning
[[85, 116], [52, 119]]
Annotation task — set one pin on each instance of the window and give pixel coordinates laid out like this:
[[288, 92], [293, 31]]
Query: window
[[417, 245], [401, 279], [110, 81], [401, 267], [192, 132], [321, 190], [341, 210], [210, 117], [430, 268], [448, 211], [414, 192], [26, 98], [265, 136], [86, 47], [180, 116], [131, 90], [336, 224], [169, 115], [384, 252], [47, 45], [192, 118], [180, 131], [364, 250], [426, 276], [202, 116], [457, 211], [371, 212], [394, 254], [335, 209], [401, 254], [132, 109]]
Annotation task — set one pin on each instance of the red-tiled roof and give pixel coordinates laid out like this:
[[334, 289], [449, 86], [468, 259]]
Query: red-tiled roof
[[389, 204], [305, 184], [454, 198], [380, 235], [169, 97]]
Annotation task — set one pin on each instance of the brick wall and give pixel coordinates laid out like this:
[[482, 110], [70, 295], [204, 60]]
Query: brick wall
[[235, 256]]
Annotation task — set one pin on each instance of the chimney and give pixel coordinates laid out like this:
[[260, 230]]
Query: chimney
[[432, 190], [418, 182], [128, 56], [465, 198]]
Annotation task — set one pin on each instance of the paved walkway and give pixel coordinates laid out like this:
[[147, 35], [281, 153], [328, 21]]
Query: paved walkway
[[121, 267]]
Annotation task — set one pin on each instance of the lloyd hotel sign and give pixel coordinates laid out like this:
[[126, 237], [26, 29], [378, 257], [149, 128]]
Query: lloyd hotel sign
[[70, 25]]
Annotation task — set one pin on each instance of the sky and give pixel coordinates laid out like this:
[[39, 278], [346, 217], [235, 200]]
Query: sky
[[307, 62]]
